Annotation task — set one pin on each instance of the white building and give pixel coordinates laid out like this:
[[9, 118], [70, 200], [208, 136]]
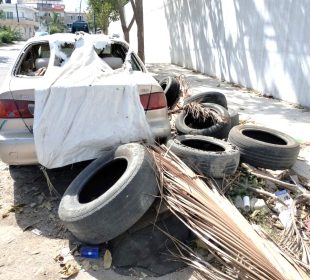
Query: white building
[[20, 18]]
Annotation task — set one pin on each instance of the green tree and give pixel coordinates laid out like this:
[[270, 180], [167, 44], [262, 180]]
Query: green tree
[[56, 25], [106, 11]]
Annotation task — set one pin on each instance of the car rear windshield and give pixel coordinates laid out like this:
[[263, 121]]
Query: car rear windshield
[[113, 50]]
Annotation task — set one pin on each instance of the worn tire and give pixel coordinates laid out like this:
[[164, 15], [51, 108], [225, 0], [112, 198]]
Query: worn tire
[[217, 130], [264, 147], [95, 215], [171, 89], [208, 97], [234, 117], [207, 155]]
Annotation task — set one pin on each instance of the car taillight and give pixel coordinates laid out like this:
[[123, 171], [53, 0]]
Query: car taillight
[[12, 109], [153, 101]]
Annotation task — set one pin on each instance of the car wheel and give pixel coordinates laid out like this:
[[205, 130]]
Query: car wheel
[[207, 155], [185, 123], [171, 89], [110, 195], [264, 147], [208, 97], [234, 117]]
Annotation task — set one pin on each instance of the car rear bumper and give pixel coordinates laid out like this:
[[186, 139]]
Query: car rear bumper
[[19, 148], [159, 123]]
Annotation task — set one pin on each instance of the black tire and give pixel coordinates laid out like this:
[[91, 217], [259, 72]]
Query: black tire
[[264, 147], [234, 117], [208, 97], [129, 186], [171, 89], [186, 124], [212, 157]]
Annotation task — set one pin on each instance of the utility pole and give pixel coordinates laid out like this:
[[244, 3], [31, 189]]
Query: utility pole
[[95, 27], [17, 13], [80, 10]]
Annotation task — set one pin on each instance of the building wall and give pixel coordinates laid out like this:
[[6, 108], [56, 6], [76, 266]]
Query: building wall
[[25, 22], [261, 44]]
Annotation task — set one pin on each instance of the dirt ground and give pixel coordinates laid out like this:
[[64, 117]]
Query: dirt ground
[[31, 235], [24, 253]]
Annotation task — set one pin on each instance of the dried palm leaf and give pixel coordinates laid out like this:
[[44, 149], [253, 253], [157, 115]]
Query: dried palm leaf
[[184, 86], [219, 225], [198, 111], [292, 241]]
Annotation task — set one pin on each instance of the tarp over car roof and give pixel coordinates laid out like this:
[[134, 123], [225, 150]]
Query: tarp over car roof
[[86, 108]]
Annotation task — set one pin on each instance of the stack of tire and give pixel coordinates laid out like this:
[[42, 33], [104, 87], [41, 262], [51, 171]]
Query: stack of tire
[[200, 143]]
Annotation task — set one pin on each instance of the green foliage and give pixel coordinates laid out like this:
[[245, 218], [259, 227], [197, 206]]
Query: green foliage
[[105, 12], [8, 35], [55, 24], [55, 29]]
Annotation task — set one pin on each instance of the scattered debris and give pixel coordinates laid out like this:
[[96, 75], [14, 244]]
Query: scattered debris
[[69, 269], [17, 209], [36, 231], [89, 252], [107, 259]]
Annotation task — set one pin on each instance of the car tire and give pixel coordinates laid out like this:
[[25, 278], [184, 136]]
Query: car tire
[[234, 117], [185, 124], [212, 157], [208, 97], [264, 147], [171, 89], [96, 215]]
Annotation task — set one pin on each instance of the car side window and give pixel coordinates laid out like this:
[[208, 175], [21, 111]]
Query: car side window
[[116, 51], [63, 53], [34, 61]]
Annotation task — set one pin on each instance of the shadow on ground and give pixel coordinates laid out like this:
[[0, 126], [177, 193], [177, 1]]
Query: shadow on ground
[[40, 206]]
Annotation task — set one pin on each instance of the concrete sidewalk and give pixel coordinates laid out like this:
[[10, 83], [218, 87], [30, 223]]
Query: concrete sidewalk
[[252, 107]]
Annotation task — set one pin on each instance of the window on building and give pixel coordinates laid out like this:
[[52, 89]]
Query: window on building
[[9, 15]]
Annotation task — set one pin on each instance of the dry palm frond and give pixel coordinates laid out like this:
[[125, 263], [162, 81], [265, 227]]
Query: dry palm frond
[[49, 183], [219, 225], [184, 86], [292, 242], [198, 111]]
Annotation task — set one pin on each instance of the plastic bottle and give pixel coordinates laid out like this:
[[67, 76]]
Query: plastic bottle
[[90, 252]]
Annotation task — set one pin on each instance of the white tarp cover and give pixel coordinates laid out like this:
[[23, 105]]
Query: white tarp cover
[[86, 108]]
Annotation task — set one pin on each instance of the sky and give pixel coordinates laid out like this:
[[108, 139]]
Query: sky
[[72, 5]]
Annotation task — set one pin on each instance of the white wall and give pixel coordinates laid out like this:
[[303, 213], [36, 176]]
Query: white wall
[[156, 33], [261, 44]]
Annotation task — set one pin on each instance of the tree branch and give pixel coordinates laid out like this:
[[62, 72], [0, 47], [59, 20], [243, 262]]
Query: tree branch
[[133, 6], [131, 22], [285, 185]]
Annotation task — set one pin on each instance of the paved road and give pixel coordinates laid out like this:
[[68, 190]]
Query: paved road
[[8, 55]]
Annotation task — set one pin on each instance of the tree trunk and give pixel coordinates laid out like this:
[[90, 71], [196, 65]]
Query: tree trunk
[[125, 28], [138, 11]]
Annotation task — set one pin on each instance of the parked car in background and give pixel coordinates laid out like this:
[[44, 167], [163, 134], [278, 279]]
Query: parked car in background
[[31, 68], [79, 25]]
